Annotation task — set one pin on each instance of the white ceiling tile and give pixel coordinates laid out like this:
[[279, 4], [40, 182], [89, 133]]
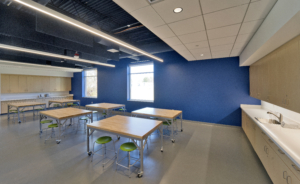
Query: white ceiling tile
[[221, 48], [250, 27], [225, 17], [131, 5], [187, 26], [223, 32], [148, 17], [236, 52], [239, 45], [216, 5], [244, 38], [200, 51], [197, 45], [163, 31], [172, 41], [222, 41], [193, 37], [221, 54], [165, 9], [187, 55], [259, 10], [202, 56], [179, 47]]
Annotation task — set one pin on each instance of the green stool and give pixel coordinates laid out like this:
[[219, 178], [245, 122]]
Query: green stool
[[103, 141], [15, 113], [37, 111], [51, 126], [56, 105], [127, 147], [123, 110], [104, 114]]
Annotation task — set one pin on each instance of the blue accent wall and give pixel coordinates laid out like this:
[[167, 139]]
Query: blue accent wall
[[207, 90]]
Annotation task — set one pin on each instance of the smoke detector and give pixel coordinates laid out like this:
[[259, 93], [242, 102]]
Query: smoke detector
[[153, 1]]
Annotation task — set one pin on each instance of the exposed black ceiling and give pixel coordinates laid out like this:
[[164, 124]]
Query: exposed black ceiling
[[23, 27], [106, 16]]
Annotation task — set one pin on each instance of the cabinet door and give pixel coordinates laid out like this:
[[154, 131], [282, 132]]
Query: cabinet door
[[58, 83], [69, 85], [63, 84], [282, 76], [45, 84], [30, 84], [23, 84], [4, 83], [272, 79], [52, 84], [14, 83]]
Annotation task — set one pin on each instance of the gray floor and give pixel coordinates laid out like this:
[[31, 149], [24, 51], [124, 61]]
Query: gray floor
[[203, 153]]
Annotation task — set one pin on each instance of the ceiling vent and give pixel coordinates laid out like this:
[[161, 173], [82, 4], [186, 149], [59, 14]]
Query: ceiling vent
[[154, 1]]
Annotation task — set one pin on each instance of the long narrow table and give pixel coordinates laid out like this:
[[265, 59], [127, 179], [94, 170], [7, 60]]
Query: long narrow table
[[63, 102], [21, 106], [137, 129], [107, 107], [64, 114], [163, 114]]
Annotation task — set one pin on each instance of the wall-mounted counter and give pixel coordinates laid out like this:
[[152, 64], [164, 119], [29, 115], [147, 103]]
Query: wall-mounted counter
[[278, 148]]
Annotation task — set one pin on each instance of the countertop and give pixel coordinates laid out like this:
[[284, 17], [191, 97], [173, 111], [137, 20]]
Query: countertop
[[288, 140], [6, 100]]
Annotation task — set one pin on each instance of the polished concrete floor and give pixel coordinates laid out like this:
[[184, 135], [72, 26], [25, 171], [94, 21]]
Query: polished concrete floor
[[202, 154]]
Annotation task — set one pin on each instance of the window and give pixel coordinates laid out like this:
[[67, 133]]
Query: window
[[90, 83], [141, 82]]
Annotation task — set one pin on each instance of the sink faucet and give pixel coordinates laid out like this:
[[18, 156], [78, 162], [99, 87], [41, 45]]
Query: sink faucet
[[280, 116]]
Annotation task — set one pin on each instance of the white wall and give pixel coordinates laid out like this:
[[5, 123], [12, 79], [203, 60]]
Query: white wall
[[285, 112]]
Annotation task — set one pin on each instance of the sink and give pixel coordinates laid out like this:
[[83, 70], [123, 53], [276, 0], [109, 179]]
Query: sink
[[267, 121]]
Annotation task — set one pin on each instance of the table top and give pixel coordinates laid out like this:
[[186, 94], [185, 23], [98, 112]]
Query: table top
[[155, 112], [105, 106], [65, 113], [26, 104], [63, 101], [138, 128]]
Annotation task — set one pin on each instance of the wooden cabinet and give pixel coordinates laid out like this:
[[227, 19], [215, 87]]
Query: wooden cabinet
[[33, 84], [278, 166], [23, 88], [5, 84], [275, 77]]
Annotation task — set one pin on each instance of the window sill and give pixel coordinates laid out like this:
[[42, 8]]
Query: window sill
[[89, 97], [149, 101]]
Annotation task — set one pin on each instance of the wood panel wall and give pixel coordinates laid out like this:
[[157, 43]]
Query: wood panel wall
[[276, 77]]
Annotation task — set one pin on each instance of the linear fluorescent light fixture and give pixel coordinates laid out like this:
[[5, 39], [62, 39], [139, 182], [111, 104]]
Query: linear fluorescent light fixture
[[20, 49], [52, 13]]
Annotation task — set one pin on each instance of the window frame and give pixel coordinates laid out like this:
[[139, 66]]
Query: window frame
[[84, 83], [129, 79]]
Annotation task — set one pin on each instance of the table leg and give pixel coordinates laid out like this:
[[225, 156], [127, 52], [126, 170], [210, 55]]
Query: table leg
[[172, 136], [59, 129], [141, 148], [181, 122], [88, 142], [19, 120], [161, 137], [41, 117], [33, 111], [7, 111]]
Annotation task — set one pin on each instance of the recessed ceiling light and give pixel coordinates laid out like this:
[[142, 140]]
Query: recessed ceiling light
[[202, 54], [177, 10]]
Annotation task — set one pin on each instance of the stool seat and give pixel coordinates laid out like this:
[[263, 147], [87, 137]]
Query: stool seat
[[122, 109], [104, 113], [128, 146], [84, 118], [14, 111], [53, 125], [39, 109], [46, 121], [166, 123], [103, 140]]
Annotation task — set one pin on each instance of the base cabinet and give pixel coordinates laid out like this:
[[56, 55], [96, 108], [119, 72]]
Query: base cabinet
[[279, 167]]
